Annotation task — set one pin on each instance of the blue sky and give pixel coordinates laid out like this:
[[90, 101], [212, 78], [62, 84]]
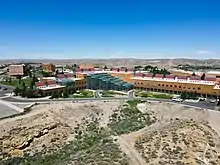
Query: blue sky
[[109, 29]]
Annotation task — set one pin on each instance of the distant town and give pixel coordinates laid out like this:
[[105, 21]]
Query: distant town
[[46, 79]]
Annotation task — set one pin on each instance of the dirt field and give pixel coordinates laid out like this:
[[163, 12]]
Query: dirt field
[[49, 125], [181, 135], [178, 134]]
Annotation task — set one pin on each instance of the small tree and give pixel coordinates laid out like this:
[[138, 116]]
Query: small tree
[[59, 94], [6, 80], [203, 76], [16, 91], [193, 74], [57, 72], [9, 80], [72, 90], [30, 75], [23, 85], [183, 95], [65, 93], [19, 80], [28, 93], [40, 92], [105, 67], [54, 95]]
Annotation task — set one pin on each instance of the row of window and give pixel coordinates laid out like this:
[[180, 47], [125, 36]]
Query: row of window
[[171, 86], [80, 82]]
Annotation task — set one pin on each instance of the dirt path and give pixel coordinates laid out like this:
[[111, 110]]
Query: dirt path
[[127, 146]]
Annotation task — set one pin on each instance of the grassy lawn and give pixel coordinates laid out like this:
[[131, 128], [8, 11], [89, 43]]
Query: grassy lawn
[[15, 82], [153, 95], [83, 94], [111, 93]]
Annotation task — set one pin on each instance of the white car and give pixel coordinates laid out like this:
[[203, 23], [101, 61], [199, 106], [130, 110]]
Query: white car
[[213, 101], [177, 99]]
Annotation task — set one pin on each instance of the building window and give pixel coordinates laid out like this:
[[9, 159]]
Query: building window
[[163, 85], [199, 88], [188, 87], [175, 86], [179, 86], [171, 85], [141, 83], [166, 85], [193, 88], [158, 84], [184, 87]]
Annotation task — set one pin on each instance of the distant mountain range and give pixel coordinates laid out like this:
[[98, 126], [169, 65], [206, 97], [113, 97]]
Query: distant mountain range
[[164, 63]]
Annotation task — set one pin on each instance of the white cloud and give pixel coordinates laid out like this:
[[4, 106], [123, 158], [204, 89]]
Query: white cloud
[[204, 52]]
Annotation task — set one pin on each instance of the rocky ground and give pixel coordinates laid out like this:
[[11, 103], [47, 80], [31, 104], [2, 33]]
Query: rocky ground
[[109, 133], [48, 126]]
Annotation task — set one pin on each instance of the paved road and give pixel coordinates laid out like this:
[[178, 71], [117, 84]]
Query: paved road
[[6, 111], [9, 90], [204, 105]]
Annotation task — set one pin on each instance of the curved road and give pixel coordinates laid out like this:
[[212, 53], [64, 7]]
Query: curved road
[[203, 105]]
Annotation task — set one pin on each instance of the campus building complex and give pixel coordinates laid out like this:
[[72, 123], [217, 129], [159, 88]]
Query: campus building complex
[[17, 70], [105, 81], [48, 67], [49, 87], [126, 79], [209, 87]]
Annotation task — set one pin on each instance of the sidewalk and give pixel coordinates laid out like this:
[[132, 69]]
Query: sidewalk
[[8, 104], [21, 98], [119, 92]]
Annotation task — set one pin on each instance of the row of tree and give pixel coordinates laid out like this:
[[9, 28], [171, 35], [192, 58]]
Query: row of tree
[[27, 92], [189, 95], [196, 67], [65, 94]]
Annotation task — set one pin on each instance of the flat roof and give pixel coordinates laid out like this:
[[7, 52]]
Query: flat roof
[[176, 80], [49, 78], [51, 87], [213, 72], [96, 72]]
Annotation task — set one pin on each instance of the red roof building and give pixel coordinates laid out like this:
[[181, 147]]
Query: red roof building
[[182, 77], [198, 78], [39, 84], [158, 76], [170, 77], [139, 74], [149, 75], [210, 79], [61, 76], [122, 69], [114, 69], [130, 69], [69, 74]]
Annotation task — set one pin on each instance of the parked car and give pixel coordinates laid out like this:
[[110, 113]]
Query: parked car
[[213, 101], [201, 99], [177, 99], [3, 88]]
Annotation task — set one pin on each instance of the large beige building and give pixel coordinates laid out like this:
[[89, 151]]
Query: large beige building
[[17, 70]]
